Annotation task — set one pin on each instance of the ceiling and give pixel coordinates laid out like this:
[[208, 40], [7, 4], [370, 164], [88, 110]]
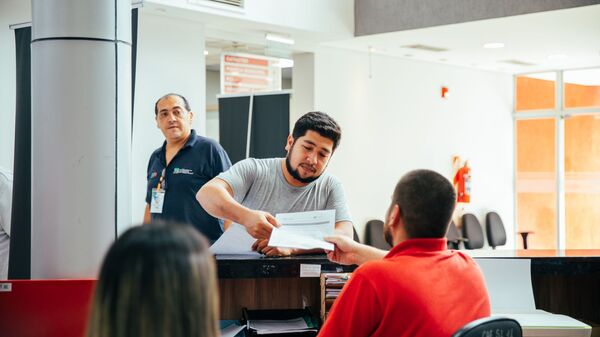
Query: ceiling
[[562, 39]]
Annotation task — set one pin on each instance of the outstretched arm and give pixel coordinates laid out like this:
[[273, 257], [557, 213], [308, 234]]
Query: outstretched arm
[[216, 197], [348, 251]]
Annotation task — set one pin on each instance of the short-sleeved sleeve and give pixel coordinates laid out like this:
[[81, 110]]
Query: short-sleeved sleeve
[[240, 177], [337, 200], [219, 160]]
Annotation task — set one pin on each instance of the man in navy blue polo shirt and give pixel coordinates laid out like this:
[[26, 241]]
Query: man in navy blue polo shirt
[[180, 167]]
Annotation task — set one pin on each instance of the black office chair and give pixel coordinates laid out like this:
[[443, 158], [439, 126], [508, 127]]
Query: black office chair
[[355, 234], [453, 236], [472, 231], [491, 326], [494, 228], [374, 235]]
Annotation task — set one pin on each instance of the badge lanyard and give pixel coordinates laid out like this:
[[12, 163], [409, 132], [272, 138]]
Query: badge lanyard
[[158, 194]]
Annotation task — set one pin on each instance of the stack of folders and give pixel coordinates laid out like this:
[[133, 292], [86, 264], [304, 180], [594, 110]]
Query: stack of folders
[[331, 287]]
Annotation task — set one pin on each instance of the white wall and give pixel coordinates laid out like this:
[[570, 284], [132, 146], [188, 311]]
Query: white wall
[[170, 58], [396, 122], [11, 12]]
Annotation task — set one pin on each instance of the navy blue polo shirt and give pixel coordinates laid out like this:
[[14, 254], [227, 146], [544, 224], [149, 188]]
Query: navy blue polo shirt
[[200, 160]]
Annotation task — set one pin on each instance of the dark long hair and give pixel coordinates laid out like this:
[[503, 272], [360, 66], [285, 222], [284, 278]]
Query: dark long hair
[[157, 280]]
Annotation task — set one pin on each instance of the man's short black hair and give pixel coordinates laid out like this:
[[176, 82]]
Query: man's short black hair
[[319, 122], [426, 200], [186, 105]]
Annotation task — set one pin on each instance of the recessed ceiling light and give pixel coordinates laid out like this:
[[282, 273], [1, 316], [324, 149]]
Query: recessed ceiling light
[[205, 52], [493, 45], [557, 57]]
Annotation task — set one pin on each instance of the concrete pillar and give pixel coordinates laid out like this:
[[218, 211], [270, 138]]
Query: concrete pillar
[[81, 133]]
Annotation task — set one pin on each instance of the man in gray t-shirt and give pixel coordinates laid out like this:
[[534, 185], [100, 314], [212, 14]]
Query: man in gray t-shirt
[[253, 190]]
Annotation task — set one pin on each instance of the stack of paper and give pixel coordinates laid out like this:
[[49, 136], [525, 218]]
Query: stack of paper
[[331, 287], [234, 241], [508, 282], [269, 327], [540, 323]]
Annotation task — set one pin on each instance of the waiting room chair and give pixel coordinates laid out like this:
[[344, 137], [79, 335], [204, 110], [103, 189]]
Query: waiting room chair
[[355, 234], [374, 235], [494, 228], [472, 231], [491, 326], [453, 236]]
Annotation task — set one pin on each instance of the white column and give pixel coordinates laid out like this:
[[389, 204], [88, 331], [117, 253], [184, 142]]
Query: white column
[[303, 84], [81, 133]]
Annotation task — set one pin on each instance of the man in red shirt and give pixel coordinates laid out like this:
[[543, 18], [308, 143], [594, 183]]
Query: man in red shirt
[[419, 288]]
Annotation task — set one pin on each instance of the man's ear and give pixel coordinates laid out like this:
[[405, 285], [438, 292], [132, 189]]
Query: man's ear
[[395, 215], [191, 116], [290, 141]]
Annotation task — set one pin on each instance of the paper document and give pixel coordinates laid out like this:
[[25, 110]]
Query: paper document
[[234, 241], [304, 230], [508, 282], [539, 323], [268, 327]]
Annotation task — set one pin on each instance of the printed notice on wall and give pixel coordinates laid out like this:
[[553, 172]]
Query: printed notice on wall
[[247, 73]]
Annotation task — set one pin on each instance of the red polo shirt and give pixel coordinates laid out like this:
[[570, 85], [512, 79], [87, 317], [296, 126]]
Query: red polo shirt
[[420, 289]]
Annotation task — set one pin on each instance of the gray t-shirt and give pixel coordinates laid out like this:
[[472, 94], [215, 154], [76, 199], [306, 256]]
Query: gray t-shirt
[[259, 184]]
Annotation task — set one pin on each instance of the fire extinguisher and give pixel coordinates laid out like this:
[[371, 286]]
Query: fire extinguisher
[[462, 181]]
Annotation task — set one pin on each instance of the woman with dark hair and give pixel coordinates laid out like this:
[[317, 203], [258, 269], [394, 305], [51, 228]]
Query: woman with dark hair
[[157, 280]]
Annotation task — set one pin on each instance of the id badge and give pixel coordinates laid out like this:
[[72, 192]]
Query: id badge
[[158, 198]]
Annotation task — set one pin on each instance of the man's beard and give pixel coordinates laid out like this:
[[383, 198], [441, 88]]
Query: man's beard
[[295, 174]]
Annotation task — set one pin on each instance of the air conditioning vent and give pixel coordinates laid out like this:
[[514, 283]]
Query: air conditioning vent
[[425, 47], [519, 63]]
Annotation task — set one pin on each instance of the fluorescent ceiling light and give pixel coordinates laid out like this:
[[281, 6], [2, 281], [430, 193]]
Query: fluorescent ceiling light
[[279, 38], [493, 45]]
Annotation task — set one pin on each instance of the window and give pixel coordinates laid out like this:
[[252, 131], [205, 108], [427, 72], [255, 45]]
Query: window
[[557, 160]]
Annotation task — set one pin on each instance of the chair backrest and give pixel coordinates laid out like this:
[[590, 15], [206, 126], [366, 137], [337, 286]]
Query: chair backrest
[[453, 236], [494, 228], [472, 231], [374, 235], [355, 234], [491, 326]]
